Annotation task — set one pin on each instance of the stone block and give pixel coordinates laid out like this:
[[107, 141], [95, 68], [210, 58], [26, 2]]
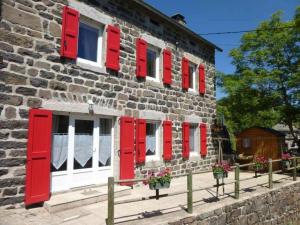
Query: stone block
[[5, 89], [26, 52], [26, 91], [22, 18], [16, 39], [19, 134], [78, 89], [10, 191], [46, 47], [34, 102], [3, 172], [12, 78], [45, 94], [55, 29], [37, 82], [11, 99], [55, 85], [10, 112]]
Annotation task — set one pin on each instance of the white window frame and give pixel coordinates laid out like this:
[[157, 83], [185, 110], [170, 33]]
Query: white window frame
[[156, 157], [100, 48], [157, 63], [196, 139], [194, 88]]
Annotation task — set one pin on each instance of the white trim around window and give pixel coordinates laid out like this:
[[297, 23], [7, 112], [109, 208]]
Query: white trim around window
[[192, 67], [157, 52], [99, 54], [156, 156]]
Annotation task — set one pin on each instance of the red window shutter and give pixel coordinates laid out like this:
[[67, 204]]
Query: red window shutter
[[167, 66], [37, 187], [141, 58], [203, 149], [140, 138], [113, 48], [185, 73], [202, 79], [185, 140], [167, 134], [69, 34], [126, 149]]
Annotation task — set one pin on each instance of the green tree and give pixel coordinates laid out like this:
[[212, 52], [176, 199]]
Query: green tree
[[265, 88]]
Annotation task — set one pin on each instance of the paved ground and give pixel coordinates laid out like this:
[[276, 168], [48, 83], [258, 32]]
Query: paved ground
[[147, 212]]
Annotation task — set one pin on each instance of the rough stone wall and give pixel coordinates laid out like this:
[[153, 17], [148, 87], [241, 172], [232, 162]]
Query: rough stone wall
[[280, 206], [32, 73]]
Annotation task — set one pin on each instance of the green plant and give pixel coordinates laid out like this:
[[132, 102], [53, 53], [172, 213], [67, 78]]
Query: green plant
[[161, 177]]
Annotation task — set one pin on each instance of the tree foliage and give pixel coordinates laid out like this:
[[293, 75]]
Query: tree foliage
[[265, 88]]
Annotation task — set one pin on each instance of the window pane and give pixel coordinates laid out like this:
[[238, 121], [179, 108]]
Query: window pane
[[105, 144], [83, 146], [88, 42], [150, 139], [192, 138], [191, 76], [59, 153], [151, 63]]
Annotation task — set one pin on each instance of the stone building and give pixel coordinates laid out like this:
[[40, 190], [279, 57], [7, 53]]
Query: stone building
[[92, 89]]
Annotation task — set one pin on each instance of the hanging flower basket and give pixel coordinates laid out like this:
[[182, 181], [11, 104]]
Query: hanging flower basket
[[286, 161], [220, 170], [155, 186], [260, 164], [160, 180]]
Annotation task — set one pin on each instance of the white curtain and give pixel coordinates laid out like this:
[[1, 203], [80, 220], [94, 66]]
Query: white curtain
[[83, 148], [59, 149], [150, 143], [104, 149], [192, 139]]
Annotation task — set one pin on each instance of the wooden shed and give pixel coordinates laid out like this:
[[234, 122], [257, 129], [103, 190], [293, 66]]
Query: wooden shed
[[259, 141]]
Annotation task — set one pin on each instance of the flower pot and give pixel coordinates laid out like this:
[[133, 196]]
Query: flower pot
[[159, 185], [220, 175], [286, 164]]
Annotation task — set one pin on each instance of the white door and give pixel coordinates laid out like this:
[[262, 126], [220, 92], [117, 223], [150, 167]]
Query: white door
[[81, 152]]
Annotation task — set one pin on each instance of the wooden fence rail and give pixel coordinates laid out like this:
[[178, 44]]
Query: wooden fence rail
[[189, 191]]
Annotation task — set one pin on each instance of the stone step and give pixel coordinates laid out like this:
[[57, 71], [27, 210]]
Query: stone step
[[86, 196]]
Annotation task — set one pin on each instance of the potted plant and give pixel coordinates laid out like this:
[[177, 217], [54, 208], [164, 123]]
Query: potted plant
[[160, 180], [260, 164], [220, 170], [286, 160]]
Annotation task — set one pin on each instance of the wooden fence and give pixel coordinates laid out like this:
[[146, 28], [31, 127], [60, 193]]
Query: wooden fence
[[190, 190]]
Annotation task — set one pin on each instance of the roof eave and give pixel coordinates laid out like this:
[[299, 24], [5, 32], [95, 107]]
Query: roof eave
[[176, 24]]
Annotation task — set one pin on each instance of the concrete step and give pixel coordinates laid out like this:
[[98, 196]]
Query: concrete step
[[81, 197]]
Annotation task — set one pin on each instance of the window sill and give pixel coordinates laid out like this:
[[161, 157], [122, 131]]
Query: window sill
[[194, 156], [192, 91], [153, 82], [153, 162], [91, 67]]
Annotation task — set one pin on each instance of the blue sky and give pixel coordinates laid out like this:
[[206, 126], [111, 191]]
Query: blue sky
[[206, 16]]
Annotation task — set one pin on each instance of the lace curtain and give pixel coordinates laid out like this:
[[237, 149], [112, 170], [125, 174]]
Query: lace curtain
[[105, 149], [59, 150], [83, 148], [151, 144]]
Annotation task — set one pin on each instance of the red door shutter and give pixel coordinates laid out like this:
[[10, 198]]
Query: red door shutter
[[201, 79], [141, 58], [203, 150], [167, 134], [69, 34], [167, 66], [113, 48], [126, 149], [37, 187], [185, 73], [185, 140], [140, 141]]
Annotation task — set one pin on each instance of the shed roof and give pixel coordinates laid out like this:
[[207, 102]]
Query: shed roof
[[270, 130]]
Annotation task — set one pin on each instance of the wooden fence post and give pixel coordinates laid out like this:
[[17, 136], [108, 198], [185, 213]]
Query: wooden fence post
[[294, 169], [270, 174], [237, 181], [190, 192], [110, 201]]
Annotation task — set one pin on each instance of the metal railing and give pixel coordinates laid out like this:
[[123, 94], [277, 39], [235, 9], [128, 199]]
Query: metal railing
[[189, 191]]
